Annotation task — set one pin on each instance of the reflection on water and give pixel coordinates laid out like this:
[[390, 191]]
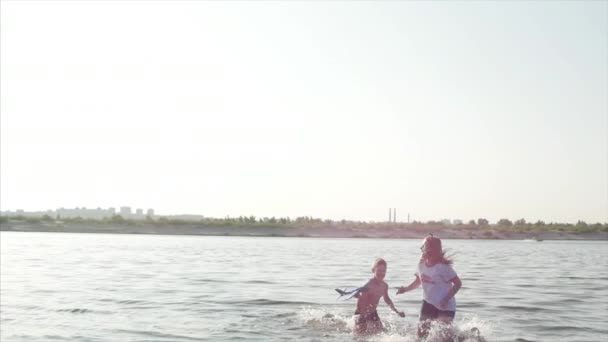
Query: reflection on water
[[93, 287]]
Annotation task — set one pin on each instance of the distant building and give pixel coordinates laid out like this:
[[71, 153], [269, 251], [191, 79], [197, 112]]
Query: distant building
[[83, 212], [125, 212]]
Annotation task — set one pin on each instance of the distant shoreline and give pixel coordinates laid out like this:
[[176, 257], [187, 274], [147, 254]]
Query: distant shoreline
[[317, 231]]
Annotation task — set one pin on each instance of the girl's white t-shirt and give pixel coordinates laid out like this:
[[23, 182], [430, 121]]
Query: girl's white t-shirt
[[435, 282]]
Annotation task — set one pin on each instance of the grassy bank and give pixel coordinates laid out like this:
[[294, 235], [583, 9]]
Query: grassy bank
[[309, 227]]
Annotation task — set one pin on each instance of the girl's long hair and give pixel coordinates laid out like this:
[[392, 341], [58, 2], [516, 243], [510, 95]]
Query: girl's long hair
[[431, 248]]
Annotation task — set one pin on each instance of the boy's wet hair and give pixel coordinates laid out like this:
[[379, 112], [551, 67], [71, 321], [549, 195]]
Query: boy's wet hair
[[378, 262]]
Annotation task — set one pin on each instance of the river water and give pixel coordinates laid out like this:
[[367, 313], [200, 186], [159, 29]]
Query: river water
[[98, 287]]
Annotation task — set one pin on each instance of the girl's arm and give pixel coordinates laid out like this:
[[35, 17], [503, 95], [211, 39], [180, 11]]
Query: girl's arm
[[389, 302], [456, 285], [410, 287]]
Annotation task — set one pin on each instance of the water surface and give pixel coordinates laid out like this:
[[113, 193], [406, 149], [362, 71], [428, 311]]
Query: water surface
[[96, 287]]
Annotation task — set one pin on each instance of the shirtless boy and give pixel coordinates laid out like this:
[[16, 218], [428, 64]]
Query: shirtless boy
[[366, 316]]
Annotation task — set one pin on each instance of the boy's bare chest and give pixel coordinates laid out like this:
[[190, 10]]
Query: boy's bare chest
[[375, 291]]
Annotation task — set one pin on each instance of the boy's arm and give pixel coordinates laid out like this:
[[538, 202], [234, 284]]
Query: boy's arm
[[410, 287], [389, 302], [456, 285], [362, 289]]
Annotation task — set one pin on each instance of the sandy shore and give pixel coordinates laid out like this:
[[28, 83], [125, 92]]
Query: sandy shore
[[342, 231]]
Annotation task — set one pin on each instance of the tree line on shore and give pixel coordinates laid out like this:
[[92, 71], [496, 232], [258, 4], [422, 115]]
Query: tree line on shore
[[307, 221]]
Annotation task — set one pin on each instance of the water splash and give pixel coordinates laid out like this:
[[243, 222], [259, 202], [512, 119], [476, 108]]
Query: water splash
[[469, 328], [327, 320], [323, 319], [471, 321]]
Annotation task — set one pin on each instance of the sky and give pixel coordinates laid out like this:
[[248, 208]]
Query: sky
[[337, 110]]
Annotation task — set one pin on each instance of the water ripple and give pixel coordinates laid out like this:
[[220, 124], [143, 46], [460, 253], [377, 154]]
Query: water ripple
[[161, 289]]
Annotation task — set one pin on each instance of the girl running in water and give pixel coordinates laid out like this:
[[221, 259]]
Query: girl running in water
[[439, 285]]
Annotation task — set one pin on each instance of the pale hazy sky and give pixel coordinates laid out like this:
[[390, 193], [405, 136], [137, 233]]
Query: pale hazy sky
[[327, 109]]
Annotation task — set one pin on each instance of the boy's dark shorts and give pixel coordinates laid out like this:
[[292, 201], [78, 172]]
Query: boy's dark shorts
[[367, 317], [429, 311]]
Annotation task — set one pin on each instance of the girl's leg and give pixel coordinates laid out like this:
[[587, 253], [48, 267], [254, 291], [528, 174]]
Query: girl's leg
[[447, 331], [424, 324], [427, 313], [445, 319]]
